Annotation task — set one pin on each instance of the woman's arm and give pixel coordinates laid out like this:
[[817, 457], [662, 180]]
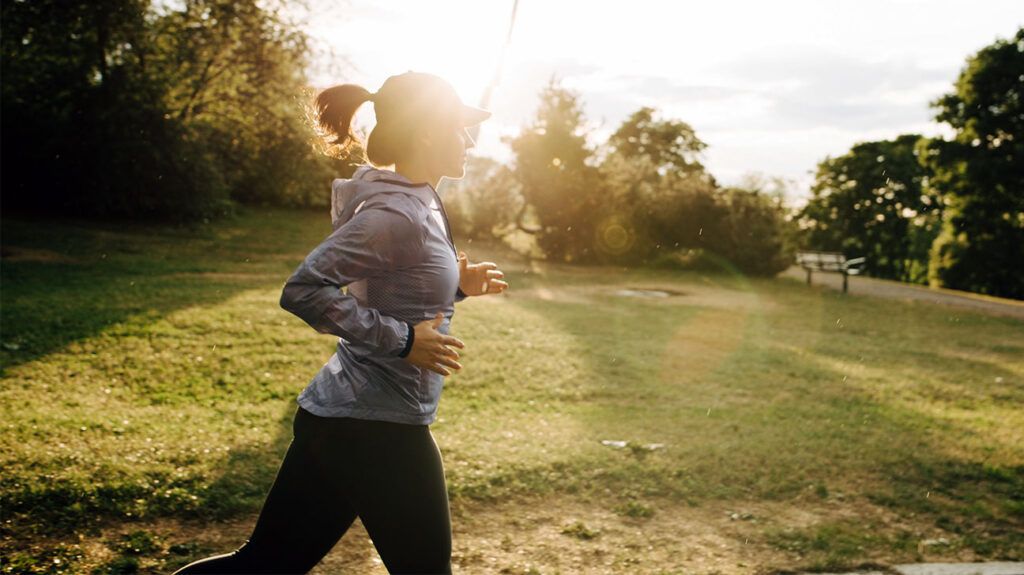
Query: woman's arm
[[374, 242]]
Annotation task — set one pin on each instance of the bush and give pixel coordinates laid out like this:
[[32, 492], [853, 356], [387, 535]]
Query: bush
[[485, 203], [688, 222], [754, 232]]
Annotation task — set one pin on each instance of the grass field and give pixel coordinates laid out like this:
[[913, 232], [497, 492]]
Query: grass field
[[149, 383]]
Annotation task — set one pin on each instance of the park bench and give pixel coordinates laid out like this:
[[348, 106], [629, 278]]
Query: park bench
[[829, 262]]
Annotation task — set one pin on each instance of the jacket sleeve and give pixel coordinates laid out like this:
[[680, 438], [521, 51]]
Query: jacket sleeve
[[376, 241]]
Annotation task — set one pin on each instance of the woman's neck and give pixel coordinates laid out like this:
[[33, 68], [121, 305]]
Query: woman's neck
[[417, 174]]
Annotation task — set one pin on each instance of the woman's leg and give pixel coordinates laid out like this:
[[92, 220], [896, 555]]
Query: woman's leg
[[399, 488], [306, 512]]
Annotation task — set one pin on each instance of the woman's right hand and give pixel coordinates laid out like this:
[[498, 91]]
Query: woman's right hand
[[430, 347]]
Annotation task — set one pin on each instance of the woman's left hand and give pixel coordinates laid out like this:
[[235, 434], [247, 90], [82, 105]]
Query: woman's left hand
[[481, 278]]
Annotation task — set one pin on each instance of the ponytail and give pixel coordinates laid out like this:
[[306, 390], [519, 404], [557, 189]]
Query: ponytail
[[335, 107]]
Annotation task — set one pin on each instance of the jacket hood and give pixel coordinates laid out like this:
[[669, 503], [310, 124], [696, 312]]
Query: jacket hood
[[367, 178]]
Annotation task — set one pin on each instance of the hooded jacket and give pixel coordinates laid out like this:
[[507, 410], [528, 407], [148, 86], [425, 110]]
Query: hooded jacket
[[392, 248]]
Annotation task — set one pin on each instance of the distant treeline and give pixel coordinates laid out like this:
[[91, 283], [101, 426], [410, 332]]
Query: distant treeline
[[926, 210], [929, 210], [641, 198], [183, 111], [120, 108]]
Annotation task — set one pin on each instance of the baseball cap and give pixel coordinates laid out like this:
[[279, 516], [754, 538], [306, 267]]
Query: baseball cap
[[415, 95]]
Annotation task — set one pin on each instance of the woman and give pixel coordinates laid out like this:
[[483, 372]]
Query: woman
[[362, 446]]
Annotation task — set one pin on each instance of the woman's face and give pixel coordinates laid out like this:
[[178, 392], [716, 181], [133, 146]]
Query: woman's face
[[447, 150]]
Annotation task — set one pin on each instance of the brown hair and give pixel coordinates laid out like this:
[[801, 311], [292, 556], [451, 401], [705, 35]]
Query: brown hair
[[335, 108]]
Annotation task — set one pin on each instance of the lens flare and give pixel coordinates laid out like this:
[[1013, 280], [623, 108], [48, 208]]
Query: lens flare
[[614, 236]]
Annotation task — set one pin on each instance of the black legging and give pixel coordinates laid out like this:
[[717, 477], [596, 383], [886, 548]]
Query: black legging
[[388, 474]]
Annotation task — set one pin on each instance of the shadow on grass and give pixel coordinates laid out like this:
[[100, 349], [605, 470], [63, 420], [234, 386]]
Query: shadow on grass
[[68, 280], [248, 473]]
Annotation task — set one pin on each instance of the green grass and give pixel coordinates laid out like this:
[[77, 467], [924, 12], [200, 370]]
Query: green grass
[[150, 373], [838, 545]]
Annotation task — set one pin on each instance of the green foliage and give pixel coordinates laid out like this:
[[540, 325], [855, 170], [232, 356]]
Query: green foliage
[[685, 212], [235, 73], [871, 202], [484, 203], [980, 173], [658, 196], [57, 560], [636, 509], [668, 144], [647, 199], [682, 211], [756, 232], [122, 108], [579, 530], [137, 542], [837, 546], [945, 212], [85, 130], [555, 177]]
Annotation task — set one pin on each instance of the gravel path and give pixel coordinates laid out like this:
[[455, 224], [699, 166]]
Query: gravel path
[[902, 291]]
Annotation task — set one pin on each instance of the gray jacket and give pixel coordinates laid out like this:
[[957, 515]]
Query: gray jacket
[[392, 248]]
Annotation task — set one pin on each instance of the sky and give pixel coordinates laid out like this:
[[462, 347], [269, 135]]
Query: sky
[[772, 87]]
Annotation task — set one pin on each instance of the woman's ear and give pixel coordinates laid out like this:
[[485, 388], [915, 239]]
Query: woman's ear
[[422, 138]]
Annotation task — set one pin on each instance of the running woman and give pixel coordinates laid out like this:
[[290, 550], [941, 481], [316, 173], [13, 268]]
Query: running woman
[[362, 446]]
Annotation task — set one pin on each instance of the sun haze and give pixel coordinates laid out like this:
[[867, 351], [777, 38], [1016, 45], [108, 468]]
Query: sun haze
[[772, 87]]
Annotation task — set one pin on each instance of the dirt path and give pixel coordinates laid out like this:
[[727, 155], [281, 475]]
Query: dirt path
[[901, 291], [564, 535]]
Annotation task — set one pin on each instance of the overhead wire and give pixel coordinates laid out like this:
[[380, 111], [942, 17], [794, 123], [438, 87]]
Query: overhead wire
[[485, 97]]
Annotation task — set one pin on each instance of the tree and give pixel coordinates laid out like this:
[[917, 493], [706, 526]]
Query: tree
[[120, 107], [980, 175], [85, 129], [235, 72], [669, 145], [871, 202], [755, 234], [657, 191], [649, 195], [483, 204], [557, 183]]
